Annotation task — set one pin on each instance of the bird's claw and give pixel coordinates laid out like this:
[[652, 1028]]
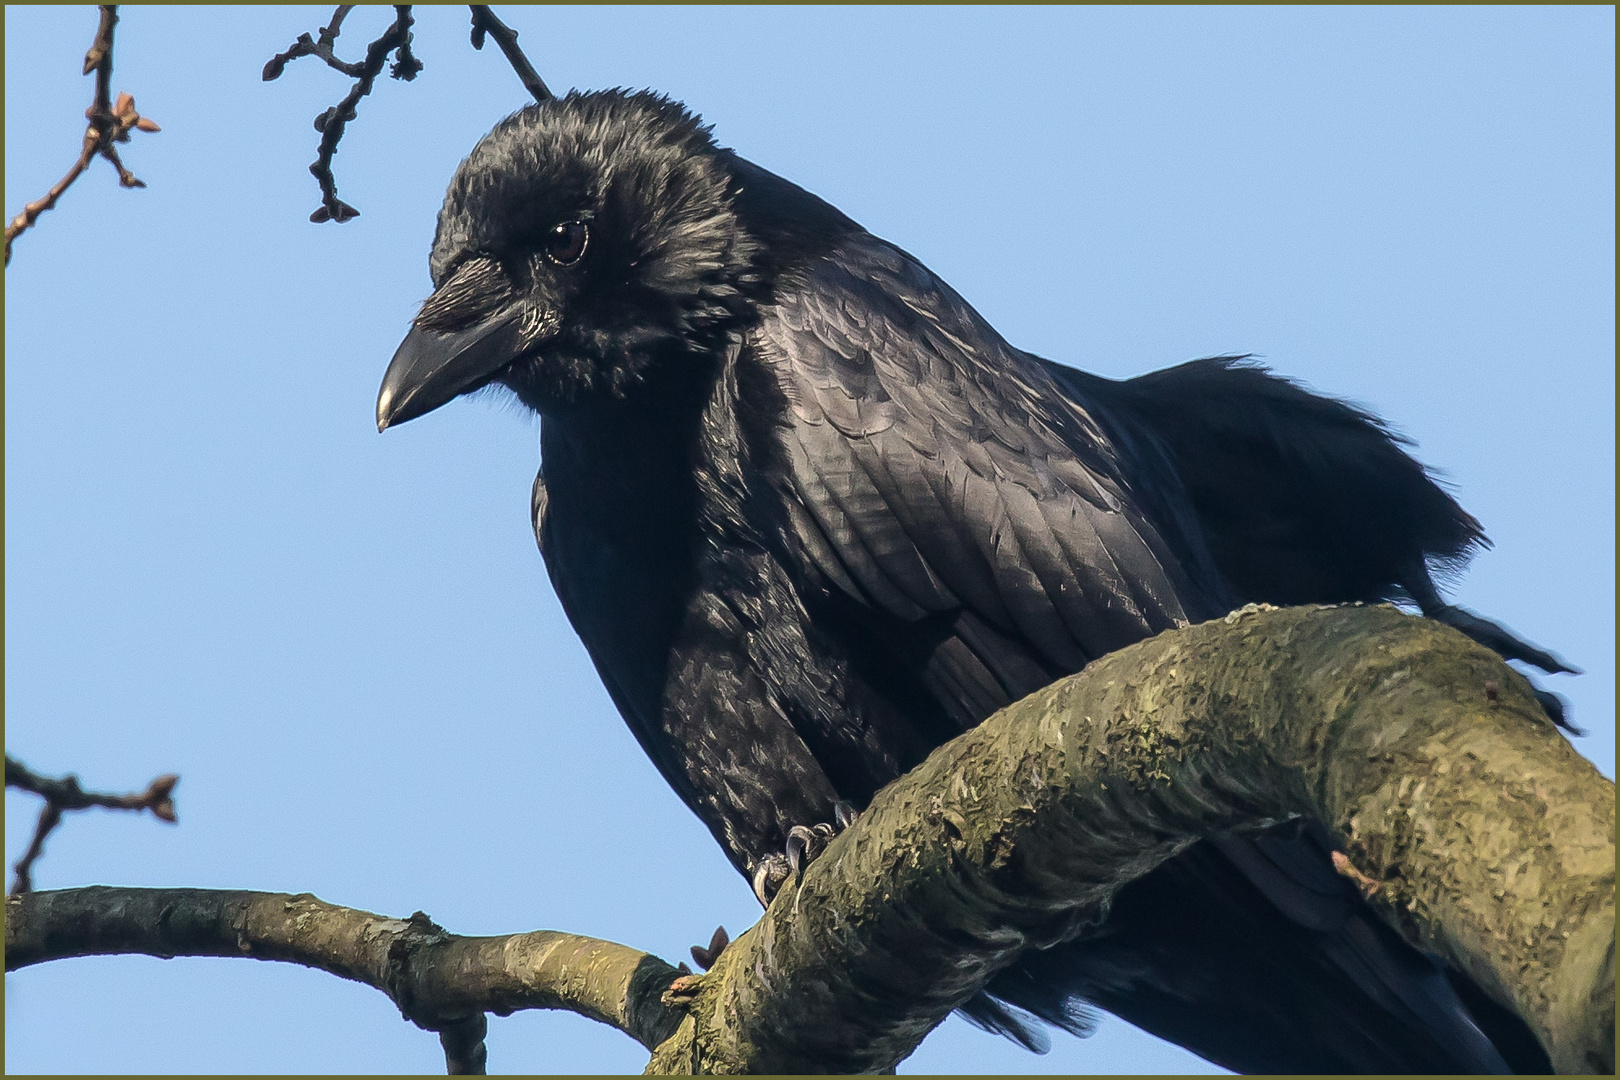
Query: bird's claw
[[804, 843], [769, 877]]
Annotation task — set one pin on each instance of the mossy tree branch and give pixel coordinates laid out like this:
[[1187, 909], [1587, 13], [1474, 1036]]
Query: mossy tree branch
[[442, 982], [1424, 753], [1477, 830]]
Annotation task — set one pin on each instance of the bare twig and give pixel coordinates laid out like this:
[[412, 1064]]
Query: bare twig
[[396, 39], [331, 122], [322, 48], [440, 981], [463, 1041], [109, 123], [65, 794], [485, 22]]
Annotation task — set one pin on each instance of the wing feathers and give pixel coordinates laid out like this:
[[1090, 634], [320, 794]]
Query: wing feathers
[[946, 471]]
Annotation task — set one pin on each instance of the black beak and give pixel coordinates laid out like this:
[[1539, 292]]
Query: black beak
[[431, 368]]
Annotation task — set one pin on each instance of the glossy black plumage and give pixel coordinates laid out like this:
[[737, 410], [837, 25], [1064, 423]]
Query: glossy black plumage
[[812, 517]]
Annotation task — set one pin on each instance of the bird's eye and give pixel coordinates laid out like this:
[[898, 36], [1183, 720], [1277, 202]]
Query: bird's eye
[[565, 244]]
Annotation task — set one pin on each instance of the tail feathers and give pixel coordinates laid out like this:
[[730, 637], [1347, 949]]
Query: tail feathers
[[1300, 498], [998, 1018], [1419, 586], [1019, 1006]]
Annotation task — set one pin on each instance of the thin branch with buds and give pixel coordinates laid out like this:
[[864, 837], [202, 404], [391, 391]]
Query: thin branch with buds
[[65, 794], [396, 39], [485, 22], [332, 122], [110, 123]]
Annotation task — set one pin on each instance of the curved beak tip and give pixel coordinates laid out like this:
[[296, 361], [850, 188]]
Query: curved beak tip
[[431, 368]]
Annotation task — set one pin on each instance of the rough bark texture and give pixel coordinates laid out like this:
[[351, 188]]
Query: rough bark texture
[[1425, 753], [1478, 831], [441, 981]]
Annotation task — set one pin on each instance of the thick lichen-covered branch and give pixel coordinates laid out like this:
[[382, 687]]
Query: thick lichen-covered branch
[[1492, 838], [1472, 826]]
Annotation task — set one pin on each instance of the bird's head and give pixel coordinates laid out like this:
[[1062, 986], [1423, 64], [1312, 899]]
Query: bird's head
[[585, 240]]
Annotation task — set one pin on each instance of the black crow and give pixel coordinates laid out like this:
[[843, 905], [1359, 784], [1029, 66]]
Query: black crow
[[812, 517]]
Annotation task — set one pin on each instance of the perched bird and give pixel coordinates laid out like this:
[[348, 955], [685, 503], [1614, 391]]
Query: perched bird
[[813, 517]]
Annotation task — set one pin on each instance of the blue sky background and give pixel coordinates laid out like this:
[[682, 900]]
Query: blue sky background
[[345, 643]]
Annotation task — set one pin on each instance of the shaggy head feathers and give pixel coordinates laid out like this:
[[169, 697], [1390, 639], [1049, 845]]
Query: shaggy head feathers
[[667, 265]]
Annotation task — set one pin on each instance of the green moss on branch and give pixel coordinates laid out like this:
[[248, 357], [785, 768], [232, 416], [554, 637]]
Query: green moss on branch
[[1422, 751], [441, 981]]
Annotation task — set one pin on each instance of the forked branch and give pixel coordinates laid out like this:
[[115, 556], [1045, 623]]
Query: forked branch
[[440, 981], [109, 123], [332, 122], [65, 794]]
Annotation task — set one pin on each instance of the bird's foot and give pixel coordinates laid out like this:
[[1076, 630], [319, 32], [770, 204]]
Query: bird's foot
[[705, 958], [804, 843], [769, 876]]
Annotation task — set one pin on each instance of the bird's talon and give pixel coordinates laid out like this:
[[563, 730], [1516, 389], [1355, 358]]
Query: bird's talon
[[803, 844], [769, 875]]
